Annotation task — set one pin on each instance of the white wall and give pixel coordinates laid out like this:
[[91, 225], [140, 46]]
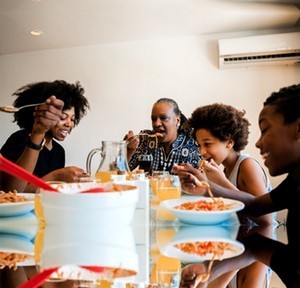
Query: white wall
[[123, 80]]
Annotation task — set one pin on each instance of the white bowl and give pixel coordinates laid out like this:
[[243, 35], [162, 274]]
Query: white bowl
[[71, 206], [206, 233], [108, 246]]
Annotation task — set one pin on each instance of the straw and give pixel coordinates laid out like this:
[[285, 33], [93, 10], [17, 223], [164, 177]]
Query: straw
[[40, 278], [19, 172]]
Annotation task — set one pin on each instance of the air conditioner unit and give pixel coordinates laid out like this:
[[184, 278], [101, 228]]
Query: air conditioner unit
[[275, 49]]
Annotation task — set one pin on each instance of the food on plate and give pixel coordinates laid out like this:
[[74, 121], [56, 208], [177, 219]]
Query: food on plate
[[202, 248], [216, 248], [203, 205], [8, 197], [11, 260], [77, 187]]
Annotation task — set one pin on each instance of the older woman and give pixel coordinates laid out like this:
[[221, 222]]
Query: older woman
[[172, 143]]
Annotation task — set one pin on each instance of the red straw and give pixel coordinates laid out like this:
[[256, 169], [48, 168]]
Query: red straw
[[40, 278], [19, 172]]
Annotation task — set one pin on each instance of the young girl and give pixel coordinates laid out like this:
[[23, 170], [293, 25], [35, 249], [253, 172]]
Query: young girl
[[222, 133]]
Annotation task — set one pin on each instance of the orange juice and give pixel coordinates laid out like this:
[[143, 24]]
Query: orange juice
[[167, 270], [165, 193], [104, 176], [164, 214], [153, 183]]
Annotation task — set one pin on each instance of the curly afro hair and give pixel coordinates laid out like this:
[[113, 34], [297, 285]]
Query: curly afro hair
[[223, 121], [71, 94]]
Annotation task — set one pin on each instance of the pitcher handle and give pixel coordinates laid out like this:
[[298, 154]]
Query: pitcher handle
[[89, 159]]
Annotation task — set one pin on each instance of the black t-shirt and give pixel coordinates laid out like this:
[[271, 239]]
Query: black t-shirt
[[285, 261], [47, 161]]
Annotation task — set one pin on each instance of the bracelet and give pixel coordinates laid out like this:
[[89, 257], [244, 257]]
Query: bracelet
[[35, 146]]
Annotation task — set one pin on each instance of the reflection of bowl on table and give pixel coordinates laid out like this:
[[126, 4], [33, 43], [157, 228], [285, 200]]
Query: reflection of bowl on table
[[116, 205], [192, 236], [92, 245], [16, 250]]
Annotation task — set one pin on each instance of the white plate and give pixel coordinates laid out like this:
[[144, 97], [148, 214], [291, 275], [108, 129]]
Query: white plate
[[18, 208], [201, 217], [17, 244], [194, 234]]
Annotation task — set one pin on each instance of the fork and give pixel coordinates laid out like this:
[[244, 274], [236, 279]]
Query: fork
[[12, 109]]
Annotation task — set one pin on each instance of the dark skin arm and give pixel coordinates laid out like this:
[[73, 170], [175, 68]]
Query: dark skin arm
[[46, 116], [191, 180]]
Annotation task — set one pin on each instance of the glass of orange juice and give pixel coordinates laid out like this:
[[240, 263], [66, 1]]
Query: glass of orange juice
[[168, 187], [154, 177]]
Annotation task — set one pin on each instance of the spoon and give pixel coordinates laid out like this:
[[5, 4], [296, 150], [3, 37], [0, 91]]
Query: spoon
[[12, 109]]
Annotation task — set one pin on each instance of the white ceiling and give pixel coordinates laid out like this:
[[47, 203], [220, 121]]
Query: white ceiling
[[69, 23]]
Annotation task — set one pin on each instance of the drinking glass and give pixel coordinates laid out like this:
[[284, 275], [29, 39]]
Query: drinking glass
[[168, 271], [154, 177], [145, 162], [168, 187]]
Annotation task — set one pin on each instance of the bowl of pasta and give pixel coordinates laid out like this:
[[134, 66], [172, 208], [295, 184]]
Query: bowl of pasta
[[13, 203], [199, 243], [106, 202], [91, 253], [199, 210]]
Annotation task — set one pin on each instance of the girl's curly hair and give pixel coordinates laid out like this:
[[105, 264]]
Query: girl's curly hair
[[223, 121], [71, 94]]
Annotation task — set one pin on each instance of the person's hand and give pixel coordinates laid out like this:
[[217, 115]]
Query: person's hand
[[189, 276], [214, 173], [133, 142], [48, 115], [190, 178], [67, 174]]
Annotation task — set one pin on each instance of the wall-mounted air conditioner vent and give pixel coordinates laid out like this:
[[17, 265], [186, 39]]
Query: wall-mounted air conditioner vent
[[276, 49]]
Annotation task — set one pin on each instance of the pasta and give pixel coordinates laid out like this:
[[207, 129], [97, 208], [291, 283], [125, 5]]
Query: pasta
[[202, 248], [155, 135], [10, 260], [11, 197], [203, 205]]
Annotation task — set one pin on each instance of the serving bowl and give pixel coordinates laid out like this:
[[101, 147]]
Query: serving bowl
[[114, 204], [91, 252]]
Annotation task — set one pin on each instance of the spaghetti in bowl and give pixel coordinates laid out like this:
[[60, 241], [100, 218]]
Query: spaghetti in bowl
[[199, 210], [200, 243], [16, 204]]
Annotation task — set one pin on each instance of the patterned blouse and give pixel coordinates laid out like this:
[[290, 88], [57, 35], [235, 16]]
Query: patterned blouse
[[183, 150]]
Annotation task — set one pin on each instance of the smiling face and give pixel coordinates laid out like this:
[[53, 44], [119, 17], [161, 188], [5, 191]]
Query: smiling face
[[279, 142], [64, 127], [165, 121], [212, 147]]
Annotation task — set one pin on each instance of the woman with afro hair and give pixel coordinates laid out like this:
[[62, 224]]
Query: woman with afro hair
[[35, 147]]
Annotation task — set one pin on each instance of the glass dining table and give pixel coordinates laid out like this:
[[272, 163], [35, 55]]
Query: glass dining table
[[156, 249]]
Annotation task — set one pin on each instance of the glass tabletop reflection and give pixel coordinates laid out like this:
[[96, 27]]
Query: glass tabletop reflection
[[154, 250]]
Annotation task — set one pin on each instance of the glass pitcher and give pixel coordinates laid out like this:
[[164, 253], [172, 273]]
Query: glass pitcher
[[113, 159]]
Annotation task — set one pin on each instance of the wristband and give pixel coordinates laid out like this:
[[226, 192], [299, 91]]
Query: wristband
[[35, 146]]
